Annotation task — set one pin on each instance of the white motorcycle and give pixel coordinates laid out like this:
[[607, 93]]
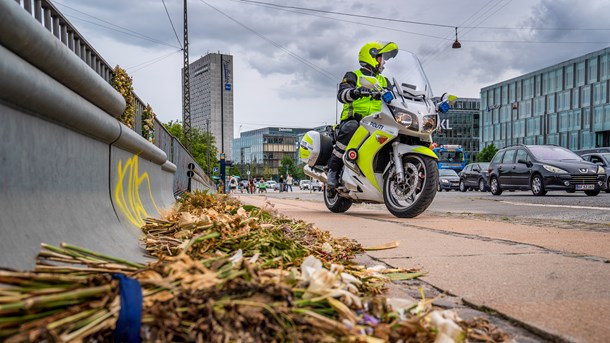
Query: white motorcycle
[[388, 159]]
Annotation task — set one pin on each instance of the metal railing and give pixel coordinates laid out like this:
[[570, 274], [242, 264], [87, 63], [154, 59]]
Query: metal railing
[[53, 20], [49, 16]]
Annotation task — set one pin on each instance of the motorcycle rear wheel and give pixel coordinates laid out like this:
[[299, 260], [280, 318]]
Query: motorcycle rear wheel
[[334, 202], [415, 194]]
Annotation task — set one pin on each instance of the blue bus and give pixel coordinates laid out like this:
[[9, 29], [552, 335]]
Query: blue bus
[[451, 157]]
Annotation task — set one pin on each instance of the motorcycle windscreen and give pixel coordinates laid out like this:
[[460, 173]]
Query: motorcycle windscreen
[[407, 72]]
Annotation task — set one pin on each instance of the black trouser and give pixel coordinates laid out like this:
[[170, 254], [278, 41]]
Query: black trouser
[[347, 129]]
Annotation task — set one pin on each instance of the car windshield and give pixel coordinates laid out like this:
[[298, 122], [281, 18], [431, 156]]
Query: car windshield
[[553, 153], [450, 156], [447, 172], [484, 166], [606, 156]]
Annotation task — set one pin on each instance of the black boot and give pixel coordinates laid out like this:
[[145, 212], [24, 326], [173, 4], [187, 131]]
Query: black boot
[[331, 179], [334, 166]]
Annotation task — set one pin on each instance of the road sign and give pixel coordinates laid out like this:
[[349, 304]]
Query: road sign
[[248, 172], [215, 169]]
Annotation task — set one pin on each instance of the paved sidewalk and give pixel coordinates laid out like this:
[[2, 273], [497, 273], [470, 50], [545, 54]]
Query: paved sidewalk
[[555, 282]]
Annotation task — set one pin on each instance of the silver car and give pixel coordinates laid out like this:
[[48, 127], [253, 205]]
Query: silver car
[[601, 159]]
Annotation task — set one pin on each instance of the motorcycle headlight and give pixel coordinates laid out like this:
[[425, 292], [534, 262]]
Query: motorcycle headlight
[[429, 123], [405, 118], [554, 169]]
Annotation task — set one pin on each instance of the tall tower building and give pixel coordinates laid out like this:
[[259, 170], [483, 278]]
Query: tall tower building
[[211, 79]]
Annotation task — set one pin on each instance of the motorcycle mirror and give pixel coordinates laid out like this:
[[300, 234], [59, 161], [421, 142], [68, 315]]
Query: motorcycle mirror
[[451, 99], [366, 83]]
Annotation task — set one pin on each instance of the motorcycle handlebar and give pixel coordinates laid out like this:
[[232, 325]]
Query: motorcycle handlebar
[[369, 92]]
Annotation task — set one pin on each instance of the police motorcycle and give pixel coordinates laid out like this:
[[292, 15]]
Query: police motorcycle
[[388, 159]]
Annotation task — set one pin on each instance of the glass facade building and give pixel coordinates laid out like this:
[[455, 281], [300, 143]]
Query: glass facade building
[[566, 104], [460, 126], [266, 147]]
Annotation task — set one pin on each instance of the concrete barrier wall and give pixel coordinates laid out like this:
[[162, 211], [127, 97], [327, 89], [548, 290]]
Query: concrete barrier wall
[[69, 171]]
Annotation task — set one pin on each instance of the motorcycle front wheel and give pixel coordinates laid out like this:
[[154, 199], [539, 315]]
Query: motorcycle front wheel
[[413, 196], [334, 202]]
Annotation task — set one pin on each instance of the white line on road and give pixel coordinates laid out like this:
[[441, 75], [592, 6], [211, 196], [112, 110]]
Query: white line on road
[[561, 206]]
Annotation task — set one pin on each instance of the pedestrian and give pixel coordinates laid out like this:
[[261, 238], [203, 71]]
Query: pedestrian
[[232, 185], [281, 181], [262, 186], [289, 183]]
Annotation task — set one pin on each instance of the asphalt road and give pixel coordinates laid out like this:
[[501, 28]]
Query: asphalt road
[[573, 209], [541, 262]]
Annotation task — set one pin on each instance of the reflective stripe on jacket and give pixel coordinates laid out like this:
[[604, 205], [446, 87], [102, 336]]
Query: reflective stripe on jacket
[[365, 105]]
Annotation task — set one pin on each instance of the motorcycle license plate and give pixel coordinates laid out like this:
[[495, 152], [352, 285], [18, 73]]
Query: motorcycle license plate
[[584, 187]]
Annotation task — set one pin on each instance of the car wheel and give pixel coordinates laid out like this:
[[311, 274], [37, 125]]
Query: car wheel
[[495, 186], [482, 187], [592, 193], [462, 186], [537, 185], [608, 185]]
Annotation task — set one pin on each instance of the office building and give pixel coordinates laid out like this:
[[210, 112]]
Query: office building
[[266, 147], [565, 104], [460, 126], [211, 82]]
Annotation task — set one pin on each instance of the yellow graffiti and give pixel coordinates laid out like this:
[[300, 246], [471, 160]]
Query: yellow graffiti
[[127, 194]]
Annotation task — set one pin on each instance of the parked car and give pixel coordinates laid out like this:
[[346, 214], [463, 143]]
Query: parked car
[[448, 180], [602, 159], [304, 184], [592, 150], [542, 168], [316, 185], [474, 176], [271, 184]]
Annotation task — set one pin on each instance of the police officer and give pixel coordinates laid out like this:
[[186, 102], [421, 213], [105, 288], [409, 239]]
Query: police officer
[[356, 105]]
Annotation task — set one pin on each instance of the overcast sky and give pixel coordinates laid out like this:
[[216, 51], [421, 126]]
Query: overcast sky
[[287, 62]]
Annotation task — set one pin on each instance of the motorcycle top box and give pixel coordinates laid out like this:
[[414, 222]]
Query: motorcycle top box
[[316, 148]]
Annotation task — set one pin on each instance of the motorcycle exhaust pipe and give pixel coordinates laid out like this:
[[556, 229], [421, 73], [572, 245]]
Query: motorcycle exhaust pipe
[[316, 174]]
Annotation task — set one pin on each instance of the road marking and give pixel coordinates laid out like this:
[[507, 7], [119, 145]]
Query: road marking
[[560, 206]]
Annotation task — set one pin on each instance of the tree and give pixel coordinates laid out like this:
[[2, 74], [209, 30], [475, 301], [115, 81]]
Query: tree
[[287, 166], [202, 143], [487, 153], [267, 173], [299, 173], [233, 170]]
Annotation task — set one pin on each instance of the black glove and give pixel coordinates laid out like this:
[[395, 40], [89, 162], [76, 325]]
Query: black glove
[[359, 92], [376, 96]]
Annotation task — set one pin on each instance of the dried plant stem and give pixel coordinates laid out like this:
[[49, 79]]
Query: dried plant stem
[[47, 300]]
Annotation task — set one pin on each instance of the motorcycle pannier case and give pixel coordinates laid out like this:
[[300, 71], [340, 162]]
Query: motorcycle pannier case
[[315, 148]]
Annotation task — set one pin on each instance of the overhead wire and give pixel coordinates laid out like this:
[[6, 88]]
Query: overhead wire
[[341, 20], [147, 64], [320, 70], [122, 30], [481, 19], [172, 23], [413, 22], [442, 47], [350, 14]]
